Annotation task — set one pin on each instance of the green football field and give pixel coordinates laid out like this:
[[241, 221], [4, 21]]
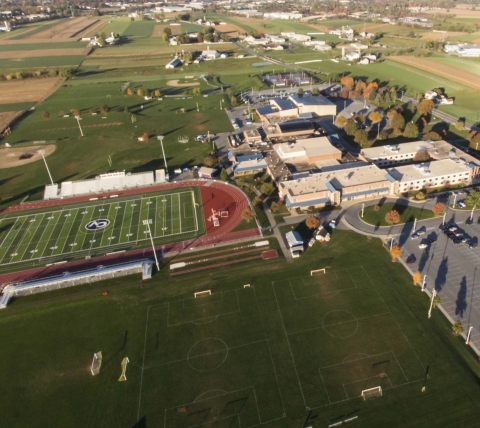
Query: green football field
[[104, 225]]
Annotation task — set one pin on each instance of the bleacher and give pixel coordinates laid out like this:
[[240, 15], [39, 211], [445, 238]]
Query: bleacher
[[115, 181], [71, 279]]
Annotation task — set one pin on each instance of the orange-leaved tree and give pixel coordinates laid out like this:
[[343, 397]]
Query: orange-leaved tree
[[395, 252], [417, 277], [392, 217], [248, 214], [425, 106], [376, 117], [439, 208], [348, 82], [312, 222]]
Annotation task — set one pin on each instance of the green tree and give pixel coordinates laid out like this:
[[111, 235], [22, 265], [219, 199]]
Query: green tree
[[224, 175], [361, 137], [411, 130], [421, 156], [167, 31], [457, 328], [397, 122], [197, 92], [300, 91], [267, 188], [350, 127], [101, 41], [165, 37], [432, 135], [315, 91], [437, 300], [420, 196], [157, 93], [210, 161], [257, 201], [473, 199], [460, 125]]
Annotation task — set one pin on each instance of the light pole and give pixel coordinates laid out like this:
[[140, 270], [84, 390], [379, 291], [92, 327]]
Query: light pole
[[160, 138], [78, 121], [471, 215], [42, 152], [454, 200], [424, 283], [415, 225], [147, 223], [431, 303], [444, 215], [363, 206], [468, 336]]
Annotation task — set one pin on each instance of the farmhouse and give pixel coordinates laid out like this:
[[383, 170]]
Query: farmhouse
[[209, 55]]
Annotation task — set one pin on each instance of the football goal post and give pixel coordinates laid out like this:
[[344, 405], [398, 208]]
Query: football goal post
[[96, 363], [317, 271], [372, 393], [203, 293]]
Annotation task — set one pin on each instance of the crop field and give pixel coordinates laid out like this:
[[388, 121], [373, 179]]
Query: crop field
[[464, 64], [9, 47], [65, 29], [267, 354], [67, 52], [38, 29], [7, 65], [28, 90], [139, 29], [50, 235], [117, 26], [452, 73]]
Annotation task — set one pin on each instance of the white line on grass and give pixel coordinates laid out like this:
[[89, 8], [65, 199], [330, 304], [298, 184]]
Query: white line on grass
[[143, 363]]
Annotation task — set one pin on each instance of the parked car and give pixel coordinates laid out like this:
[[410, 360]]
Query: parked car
[[414, 236], [421, 232], [423, 246]]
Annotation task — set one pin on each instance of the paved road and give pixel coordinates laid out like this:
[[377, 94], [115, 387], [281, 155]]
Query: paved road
[[452, 270]]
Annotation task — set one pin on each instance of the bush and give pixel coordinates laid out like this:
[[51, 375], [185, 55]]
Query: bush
[[376, 208]]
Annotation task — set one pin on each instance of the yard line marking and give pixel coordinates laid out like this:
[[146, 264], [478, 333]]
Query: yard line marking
[[23, 237], [289, 346], [30, 238], [52, 214], [179, 213], [155, 218], [3, 245]]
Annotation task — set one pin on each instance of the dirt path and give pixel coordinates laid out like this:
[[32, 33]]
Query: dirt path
[[181, 85], [10, 157], [452, 73]]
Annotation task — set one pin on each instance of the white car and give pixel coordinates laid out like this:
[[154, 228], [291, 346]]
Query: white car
[[421, 232], [423, 246], [332, 224]]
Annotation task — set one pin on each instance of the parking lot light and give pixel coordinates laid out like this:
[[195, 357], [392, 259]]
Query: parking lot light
[[444, 215], [454, 200], [415, 225], [473, 209], [468, 336], [431, 303]]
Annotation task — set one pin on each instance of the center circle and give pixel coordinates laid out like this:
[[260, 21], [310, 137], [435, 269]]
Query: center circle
[[340, 324], [207, 354]]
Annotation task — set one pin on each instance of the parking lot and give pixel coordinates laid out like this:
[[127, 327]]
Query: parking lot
[[450, 266]]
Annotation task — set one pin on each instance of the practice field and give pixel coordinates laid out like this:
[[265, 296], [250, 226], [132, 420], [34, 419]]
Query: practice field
[[107, 225]]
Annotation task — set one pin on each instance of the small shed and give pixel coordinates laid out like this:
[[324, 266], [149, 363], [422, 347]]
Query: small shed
[[322, 235], [204, 172], [295, 242]]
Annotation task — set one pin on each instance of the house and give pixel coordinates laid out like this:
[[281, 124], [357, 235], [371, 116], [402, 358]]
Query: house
[[295, 242], [253, 41], [366, 35], [173, 41], [430, 95], [364, 61], [274, 47], [210, 55], [174, 63], [351, 56], [322, 47]]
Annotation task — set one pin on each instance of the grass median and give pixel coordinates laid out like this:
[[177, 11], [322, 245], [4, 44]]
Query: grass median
[[376, 216]]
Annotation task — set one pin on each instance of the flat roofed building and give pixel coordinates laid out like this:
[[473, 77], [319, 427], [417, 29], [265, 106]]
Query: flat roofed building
[[314, 149], [292, 128], [333, 187], [318, 104], [430, 174], [252, 136]]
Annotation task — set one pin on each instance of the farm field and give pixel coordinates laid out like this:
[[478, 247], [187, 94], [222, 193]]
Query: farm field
[[58, 232], [28, 90], [9, 65], [139, 29], [38, 28], [267, 354], [25, 55], [9, 47], [469, 65], [452, 73]]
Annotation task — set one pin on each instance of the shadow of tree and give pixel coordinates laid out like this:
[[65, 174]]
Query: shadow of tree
[[461, 302]]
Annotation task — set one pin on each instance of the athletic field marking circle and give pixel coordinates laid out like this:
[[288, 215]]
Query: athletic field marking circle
[[205, 320], [98, 224], [217, 392], [338, 323], [210, 354]]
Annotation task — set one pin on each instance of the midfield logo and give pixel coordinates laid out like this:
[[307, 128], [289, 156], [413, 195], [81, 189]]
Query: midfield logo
[[98, 224]]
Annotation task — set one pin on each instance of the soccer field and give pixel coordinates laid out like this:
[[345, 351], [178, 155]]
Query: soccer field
[[105, 225]]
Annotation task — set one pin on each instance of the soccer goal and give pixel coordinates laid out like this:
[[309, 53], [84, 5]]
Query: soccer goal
[[317, 271], [203, 293], [372, 393], [96, 363]]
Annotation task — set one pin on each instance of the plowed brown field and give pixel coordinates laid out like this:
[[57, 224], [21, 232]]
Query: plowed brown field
[[7, 118], [19, 91], [447, 71]]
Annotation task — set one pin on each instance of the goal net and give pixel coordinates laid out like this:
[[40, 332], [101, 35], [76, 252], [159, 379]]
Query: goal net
[[203, 293], [317, 271], [372, 393], [96, 363]]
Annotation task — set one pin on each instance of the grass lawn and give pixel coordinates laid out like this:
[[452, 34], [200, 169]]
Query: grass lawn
[[407, 214], [112, 134], [9, 65], [138, 29], [263, 354], [42, 46]]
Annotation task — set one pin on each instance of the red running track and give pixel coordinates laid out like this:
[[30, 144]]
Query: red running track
[[216, 195]]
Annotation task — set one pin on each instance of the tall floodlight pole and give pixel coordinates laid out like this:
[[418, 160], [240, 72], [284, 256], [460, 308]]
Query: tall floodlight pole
[[454, 200], [471, 215], [147, 223], [468, 336], [78, 121], [363, 206], [424, 283], [161, 137], [431, 303], [42, 152], [414, 225], [443, 221]]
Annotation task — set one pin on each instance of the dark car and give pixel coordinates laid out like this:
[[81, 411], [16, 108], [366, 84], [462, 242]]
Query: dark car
[[411, 259], [473, 245], [431, 240]]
